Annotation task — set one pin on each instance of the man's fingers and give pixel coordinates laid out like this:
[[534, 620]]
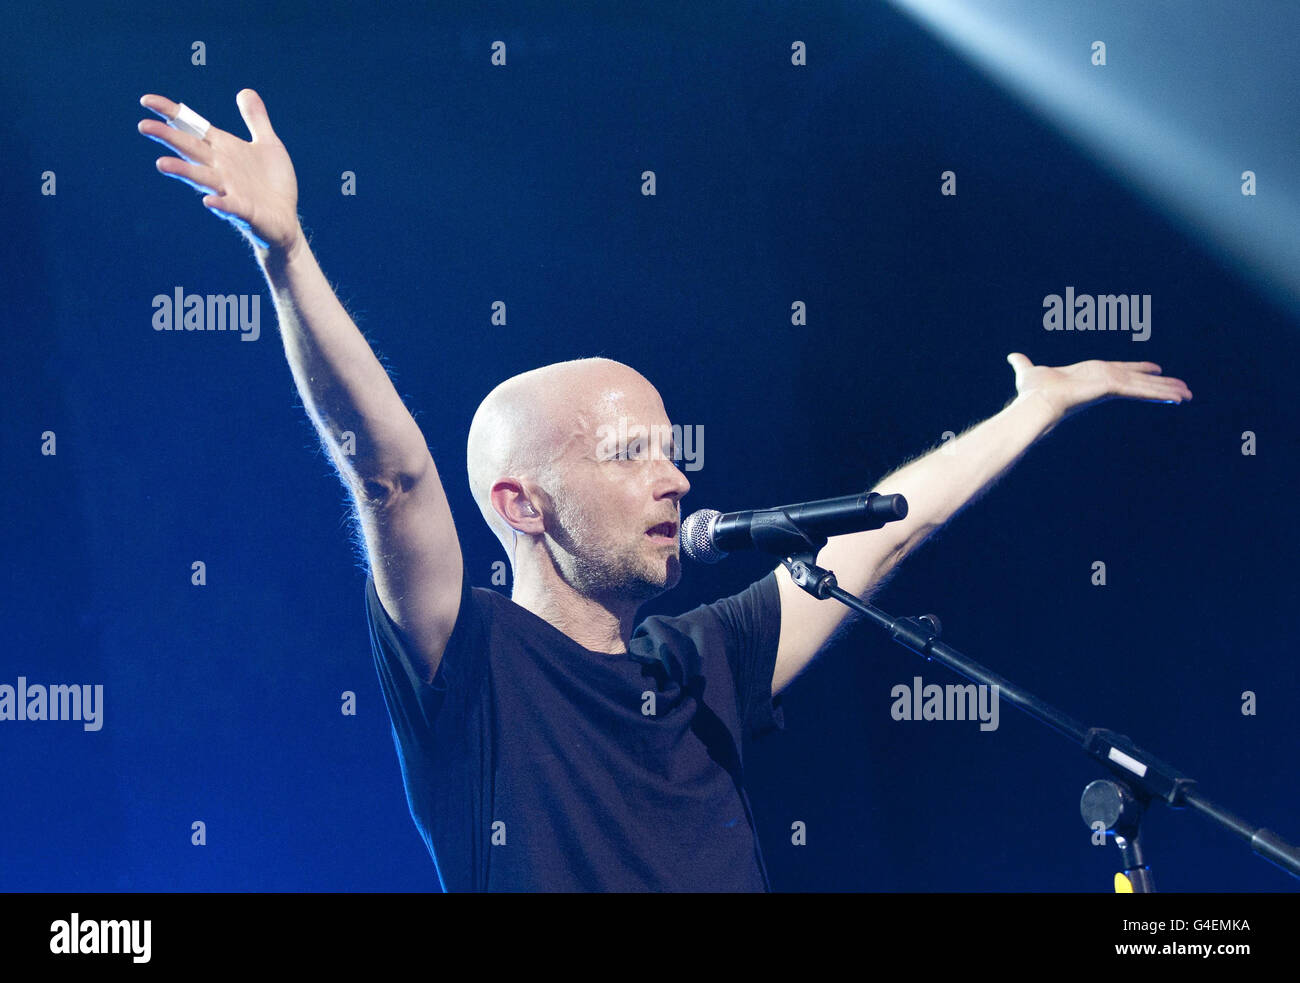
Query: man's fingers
[[255, 116], [178, 115], [1144, 377], [197, 177], [189, 147], [161, 105], [223, 205], [1168, 390], [230, 207]]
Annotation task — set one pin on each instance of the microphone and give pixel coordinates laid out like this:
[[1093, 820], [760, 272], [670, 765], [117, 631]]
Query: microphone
[[708, 535]]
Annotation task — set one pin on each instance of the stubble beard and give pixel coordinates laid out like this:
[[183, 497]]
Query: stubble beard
[[618, 575], [609, 574]]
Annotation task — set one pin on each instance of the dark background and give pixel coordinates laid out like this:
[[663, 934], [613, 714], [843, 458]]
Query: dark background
[[522, 184]]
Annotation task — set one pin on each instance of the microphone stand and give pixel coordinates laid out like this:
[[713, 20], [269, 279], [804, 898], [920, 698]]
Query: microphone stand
[[1118, 803]]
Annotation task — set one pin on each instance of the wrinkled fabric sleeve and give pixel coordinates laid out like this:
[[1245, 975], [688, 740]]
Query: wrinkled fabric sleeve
[[439, 732], [414, 705], [751, 622]]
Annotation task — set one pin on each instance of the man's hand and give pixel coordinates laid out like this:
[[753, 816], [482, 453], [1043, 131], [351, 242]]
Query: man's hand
[[1070, 388], [249, 184], [943, 482]]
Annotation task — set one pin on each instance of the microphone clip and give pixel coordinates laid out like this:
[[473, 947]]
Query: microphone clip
[[775, 532], [817, 581]]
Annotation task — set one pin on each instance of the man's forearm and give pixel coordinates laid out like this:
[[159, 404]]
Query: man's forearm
[[958, 472], [343, 385], [938, 485]]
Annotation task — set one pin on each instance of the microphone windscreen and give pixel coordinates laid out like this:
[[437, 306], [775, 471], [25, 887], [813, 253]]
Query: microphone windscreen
[[695, 537]]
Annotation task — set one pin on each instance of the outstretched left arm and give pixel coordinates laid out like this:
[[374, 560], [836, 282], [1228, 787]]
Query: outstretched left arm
[[944, 481]]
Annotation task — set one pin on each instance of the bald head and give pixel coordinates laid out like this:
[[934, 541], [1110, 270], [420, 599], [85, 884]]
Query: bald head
[[529, 424]]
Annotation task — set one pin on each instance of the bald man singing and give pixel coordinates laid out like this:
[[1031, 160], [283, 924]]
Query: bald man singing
[[549, 742]]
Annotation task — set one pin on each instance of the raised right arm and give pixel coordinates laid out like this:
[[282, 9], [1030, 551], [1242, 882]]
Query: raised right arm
[[410, 538]]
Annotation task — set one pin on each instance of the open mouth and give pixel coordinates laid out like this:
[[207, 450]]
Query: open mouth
[[666, 531]]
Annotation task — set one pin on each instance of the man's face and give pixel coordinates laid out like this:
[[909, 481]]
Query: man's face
[[616, 494]]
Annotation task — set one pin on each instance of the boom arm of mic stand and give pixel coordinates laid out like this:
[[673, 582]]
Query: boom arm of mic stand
[[1147, 773]]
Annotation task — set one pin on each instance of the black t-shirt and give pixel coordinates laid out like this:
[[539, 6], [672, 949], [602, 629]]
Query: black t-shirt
[[534, 764]]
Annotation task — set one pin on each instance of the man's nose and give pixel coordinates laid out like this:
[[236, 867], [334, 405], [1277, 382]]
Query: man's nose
[[675, 484]]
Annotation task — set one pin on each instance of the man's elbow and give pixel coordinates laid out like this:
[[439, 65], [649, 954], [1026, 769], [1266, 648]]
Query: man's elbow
[[381, 487]]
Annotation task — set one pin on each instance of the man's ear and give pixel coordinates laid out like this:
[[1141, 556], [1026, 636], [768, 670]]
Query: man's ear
[[511, 500]]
